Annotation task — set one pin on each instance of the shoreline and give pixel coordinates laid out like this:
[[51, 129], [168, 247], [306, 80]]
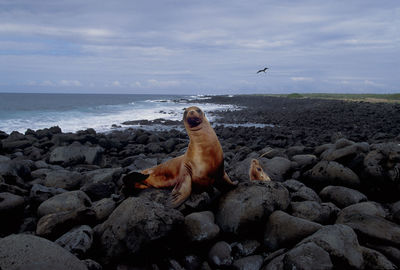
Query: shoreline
[[65, 188]]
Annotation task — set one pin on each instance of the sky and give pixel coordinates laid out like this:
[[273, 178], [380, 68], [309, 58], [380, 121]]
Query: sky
[[200, 46]]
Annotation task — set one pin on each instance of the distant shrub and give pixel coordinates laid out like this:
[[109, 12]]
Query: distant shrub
[[295, 95]]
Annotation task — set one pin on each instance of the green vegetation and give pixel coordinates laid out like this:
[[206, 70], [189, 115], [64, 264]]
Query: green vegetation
[[295, 95]]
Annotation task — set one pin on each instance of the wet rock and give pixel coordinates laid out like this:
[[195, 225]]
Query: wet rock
[[14, 141], [375, 260], [372, 228], [100, 183], [243, 209], [40, 193], [133, 224], [13, 189], [324, 213], [341, 243], [293, 185], [345, 153], [22, 251], [369, 208], [11, 211], [342, 196], [240, 171], [220, 254], [248, 263], [304, 161], [54, 225], [77, 241], [390, 252], [103, 208], [4, 158], [284, 230], [66, 201], [307, 256], [305, 194], [327, 173], [200, 227], [276, 263], [63, 179], [76, 154], [16, 168], [381, 171], [245, 248], [192, 262], [92, 265], [277, 168]]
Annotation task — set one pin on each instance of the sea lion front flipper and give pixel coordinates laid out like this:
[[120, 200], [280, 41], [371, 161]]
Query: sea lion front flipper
[[181, 191], [228, 180], [132, 181]]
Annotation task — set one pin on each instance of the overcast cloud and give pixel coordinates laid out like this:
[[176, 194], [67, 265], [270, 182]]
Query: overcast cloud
[[199, 47]]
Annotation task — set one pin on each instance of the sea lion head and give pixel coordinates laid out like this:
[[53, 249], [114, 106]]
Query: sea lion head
[[256, 172], [193, 118]]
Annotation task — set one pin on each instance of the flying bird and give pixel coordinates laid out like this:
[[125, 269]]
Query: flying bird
[[262, 70]]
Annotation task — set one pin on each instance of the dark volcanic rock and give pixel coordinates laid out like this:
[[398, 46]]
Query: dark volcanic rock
[[368, 208], [327, 173], [63, 179], [11, 210], [342, 196], [375, 260], [76, 154], [41, 193], [245, 208], [66, 201], [200, 226], [373, 228], [220, 254], [22, 251], [103, 208], [249, 263], [77, 241], [100, 183], [54, 225], [133, 224], [324, 213], [284, 230], [277, 168], [382, 171], [341, 243], [307, 256]]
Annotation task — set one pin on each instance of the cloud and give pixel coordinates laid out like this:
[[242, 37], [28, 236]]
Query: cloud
[[75, 83], [302, 79], [163, 84], [195, 45]]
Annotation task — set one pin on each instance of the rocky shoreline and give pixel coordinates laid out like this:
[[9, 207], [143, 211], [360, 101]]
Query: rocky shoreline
[[333, 203]]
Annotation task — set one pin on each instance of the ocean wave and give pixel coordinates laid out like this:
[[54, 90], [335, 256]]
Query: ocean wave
[[101, 118]]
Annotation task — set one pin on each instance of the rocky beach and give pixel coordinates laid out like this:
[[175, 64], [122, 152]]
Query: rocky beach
[[333, 202]]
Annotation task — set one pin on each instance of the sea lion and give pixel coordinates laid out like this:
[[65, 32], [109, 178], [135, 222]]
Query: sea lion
[[256, 172], [199, 167]]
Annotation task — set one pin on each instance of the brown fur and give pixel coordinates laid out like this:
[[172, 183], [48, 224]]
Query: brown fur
[[256, 172], [200, 166]]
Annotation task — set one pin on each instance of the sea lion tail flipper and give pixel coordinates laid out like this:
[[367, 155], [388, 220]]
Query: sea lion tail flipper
[[228, 180], [181, 191]]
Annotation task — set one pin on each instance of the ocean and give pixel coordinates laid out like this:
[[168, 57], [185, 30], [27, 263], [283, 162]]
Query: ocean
[[73, 112]]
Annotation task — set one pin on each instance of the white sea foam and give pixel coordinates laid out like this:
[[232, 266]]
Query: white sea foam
[[101, 118]]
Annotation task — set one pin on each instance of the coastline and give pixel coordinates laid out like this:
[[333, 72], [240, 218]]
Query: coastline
[[322, 155]]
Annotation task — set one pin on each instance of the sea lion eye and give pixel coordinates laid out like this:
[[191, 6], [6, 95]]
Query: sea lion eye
[[259, 169]]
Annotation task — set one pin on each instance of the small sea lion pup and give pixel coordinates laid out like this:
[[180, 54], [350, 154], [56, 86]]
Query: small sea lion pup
[[256, 172], [199, 167]]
